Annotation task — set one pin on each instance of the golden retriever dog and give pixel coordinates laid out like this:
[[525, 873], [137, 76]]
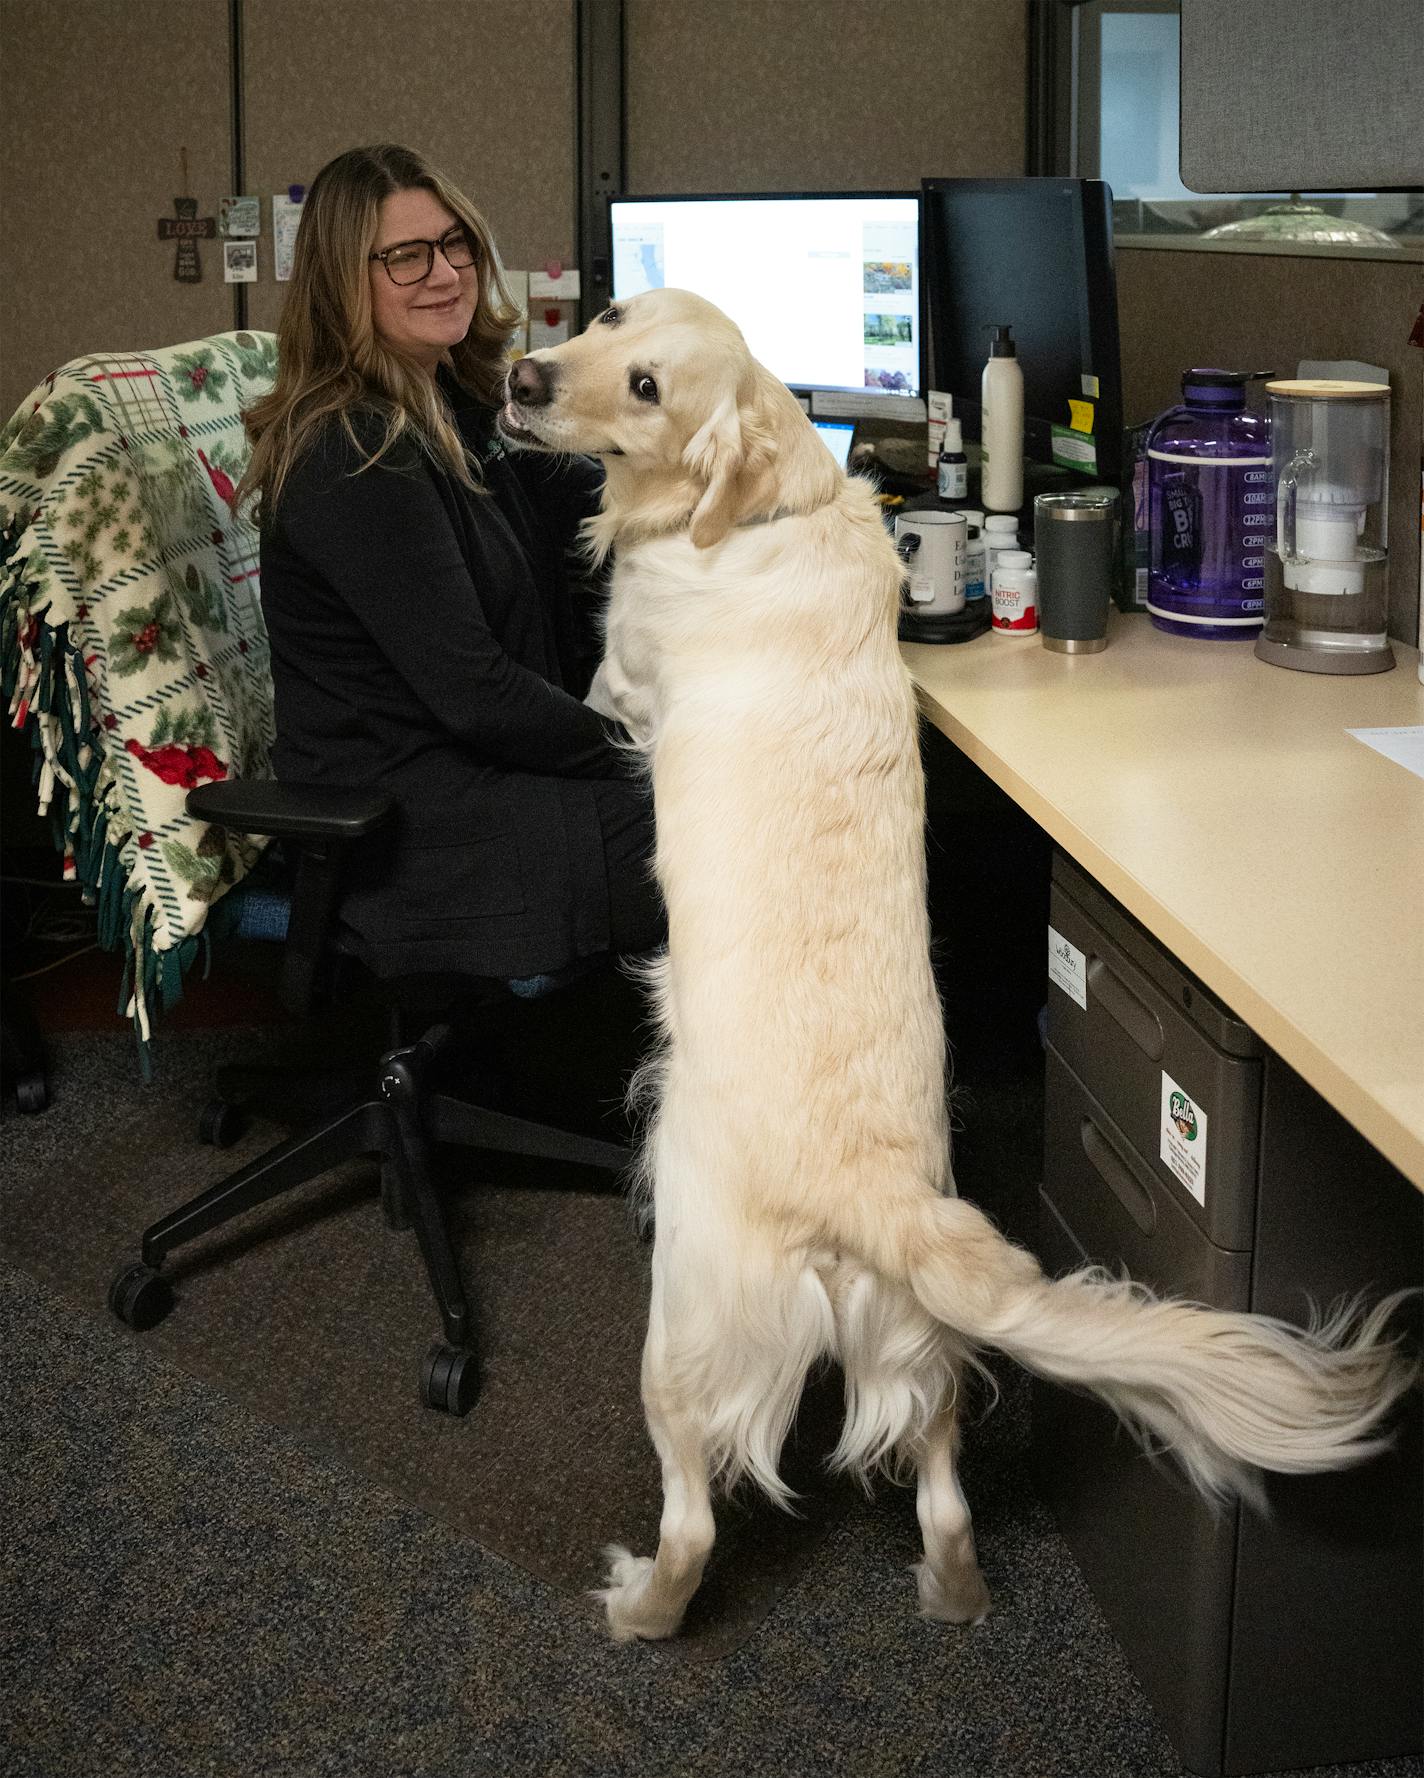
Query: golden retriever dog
[[798, 1146]]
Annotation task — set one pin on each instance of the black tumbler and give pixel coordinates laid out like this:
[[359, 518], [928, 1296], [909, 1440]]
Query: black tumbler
[[1074, 537]]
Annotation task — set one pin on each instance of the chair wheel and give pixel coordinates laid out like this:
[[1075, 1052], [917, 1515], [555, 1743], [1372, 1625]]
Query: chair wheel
[[222, 1123], [31, 1092], [140, 1297], [450, 1379]]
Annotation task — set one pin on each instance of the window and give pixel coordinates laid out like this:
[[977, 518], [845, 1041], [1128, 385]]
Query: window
[[1126, 67]]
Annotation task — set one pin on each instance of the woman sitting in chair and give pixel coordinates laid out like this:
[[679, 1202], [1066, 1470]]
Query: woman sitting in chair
[[423, 631]]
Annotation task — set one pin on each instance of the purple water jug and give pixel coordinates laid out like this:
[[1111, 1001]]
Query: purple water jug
[[1210, 510]]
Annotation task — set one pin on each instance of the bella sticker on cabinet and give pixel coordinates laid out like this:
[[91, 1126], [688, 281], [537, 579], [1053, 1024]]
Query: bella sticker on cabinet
[[1184, 1137]]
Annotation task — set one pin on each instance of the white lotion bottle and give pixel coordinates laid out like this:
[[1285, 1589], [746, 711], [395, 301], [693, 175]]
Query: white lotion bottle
[[1001, 390]]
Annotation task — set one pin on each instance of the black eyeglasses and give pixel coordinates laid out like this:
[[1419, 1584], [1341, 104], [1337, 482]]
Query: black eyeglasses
[[411, 262]]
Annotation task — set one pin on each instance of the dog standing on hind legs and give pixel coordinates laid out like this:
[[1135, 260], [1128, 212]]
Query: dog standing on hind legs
[[798, 1145]]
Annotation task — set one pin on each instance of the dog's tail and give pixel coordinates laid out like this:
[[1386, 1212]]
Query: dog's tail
[[1225, 1393]]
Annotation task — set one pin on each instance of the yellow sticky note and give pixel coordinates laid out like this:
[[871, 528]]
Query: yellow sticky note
[[1080, 415]]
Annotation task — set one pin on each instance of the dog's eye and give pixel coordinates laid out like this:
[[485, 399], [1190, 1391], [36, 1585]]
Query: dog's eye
[[643, 386], [610, 317]]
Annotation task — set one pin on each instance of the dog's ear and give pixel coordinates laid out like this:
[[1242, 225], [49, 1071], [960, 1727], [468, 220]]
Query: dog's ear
[[715, 455]]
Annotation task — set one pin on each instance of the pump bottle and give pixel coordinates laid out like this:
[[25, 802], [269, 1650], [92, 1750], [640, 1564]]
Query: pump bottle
[[1002, 393]]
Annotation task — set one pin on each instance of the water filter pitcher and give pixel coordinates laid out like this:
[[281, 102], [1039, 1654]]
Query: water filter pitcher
[[1326, 565]]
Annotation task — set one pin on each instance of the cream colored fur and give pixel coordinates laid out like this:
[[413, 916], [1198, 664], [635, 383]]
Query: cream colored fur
[[798, 1150]]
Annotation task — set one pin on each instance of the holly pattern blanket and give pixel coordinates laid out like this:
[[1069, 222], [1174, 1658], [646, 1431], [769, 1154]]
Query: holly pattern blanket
[[132, 648]]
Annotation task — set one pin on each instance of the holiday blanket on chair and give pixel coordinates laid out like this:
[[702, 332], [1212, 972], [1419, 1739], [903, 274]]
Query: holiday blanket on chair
[[131, 638]]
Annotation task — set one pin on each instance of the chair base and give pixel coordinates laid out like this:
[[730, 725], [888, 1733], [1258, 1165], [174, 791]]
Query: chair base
[[398, 1122]]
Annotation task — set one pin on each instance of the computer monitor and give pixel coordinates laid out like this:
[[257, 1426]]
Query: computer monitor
[[838, 436], [1038, 254], [826, 287]]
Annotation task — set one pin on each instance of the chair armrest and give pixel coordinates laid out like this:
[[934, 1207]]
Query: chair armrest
[[321, 822], [291, 811]]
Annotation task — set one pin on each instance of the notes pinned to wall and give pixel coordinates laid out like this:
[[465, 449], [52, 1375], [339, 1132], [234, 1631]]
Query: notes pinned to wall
[[286, 215], [554, 283]]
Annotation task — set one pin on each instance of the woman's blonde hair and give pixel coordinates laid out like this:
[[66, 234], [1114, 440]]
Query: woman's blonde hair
[[330, 361]]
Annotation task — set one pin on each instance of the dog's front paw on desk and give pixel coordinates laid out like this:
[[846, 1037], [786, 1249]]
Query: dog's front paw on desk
[[629, 1599]]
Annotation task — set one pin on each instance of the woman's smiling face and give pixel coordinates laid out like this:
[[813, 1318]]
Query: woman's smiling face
[[420, 320]]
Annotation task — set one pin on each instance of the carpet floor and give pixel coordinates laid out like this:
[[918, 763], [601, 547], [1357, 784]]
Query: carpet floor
[[237, 1545]]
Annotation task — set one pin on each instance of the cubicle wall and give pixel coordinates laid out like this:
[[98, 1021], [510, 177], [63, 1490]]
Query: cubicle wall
[[98, 99], [1259, 311], [485, 89], [822, 95]]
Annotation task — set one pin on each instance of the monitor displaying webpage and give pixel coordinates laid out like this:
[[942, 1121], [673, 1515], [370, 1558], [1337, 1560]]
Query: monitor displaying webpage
[[825, 289]]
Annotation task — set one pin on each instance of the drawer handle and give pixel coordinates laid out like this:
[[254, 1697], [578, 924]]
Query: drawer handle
[[1118, 1177], [1140, 1022]]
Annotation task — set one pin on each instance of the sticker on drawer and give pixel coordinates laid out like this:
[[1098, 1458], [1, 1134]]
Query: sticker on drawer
[[1067, 968], [1184, 1137]]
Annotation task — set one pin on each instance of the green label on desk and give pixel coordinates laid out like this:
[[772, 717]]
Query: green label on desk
[[1184, 1137]]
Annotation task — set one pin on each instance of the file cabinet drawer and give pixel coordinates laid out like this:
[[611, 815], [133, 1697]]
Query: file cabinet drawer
[[1117, 1210], [1177, 1073]]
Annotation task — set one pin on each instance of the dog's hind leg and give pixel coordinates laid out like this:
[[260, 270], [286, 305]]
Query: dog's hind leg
[[646, 1596], [903, 1375], [951, 1585]]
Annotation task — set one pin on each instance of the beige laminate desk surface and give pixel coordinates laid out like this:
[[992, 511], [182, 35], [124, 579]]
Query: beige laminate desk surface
[[1223, 804]]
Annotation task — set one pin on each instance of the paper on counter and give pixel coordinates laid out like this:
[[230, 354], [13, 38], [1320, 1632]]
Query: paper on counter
[[1405, 746]]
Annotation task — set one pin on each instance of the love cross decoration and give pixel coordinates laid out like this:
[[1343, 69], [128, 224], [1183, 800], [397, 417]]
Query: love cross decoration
[[187, 228]]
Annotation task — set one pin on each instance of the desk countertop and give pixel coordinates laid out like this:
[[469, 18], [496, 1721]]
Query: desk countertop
[[1224, 805]]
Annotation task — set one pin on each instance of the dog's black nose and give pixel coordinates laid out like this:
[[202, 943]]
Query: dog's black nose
[[529, 383]]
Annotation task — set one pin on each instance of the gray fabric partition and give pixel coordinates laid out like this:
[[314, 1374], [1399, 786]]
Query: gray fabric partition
[[1302, 95]]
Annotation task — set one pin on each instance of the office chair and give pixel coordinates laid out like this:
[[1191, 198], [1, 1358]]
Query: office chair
[[398, 1115], [133, 653]]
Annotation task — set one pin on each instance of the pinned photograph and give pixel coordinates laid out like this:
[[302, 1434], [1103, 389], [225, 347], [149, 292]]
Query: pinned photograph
[[239, 262], [240, 217]]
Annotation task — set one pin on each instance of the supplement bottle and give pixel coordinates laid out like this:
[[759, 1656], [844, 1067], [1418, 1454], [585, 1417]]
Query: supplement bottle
[[1015, 594]]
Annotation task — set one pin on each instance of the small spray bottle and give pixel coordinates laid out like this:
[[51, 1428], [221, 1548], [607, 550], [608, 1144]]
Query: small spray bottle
[[953, 464]]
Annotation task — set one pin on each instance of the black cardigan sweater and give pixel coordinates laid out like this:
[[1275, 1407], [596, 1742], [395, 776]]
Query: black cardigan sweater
[[423, 639]]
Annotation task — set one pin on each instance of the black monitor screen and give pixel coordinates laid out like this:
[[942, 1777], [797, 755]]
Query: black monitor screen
[[825, 287], [1037, 254]]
